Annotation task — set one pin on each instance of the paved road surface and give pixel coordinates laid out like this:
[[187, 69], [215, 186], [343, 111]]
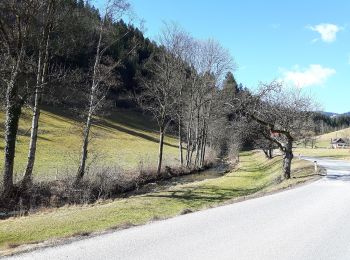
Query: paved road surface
[[309, 222]]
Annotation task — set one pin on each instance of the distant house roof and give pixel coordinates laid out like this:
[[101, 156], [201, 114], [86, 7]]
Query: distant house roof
[[338, 141]]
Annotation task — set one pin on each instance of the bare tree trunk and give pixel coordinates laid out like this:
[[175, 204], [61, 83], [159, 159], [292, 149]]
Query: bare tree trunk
[[200, 154], [160, 155], [180, 143], [270, 153], [189, 131], [42, 67], [193, 148], [287, 160], [198, 144], [86, 132], [189, 136], [205, 132], [27, 178], [43, 59], [197, 140], [266, 153], [13, 112], [204, 143], [188, 148]]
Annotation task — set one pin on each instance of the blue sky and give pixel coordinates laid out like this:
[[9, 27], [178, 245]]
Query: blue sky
[[305, 43]]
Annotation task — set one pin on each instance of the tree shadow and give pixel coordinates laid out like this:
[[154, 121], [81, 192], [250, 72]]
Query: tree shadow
[[60, 116], [108, 126], [63, 115], [241, 176], [260, 167], [338, 177], [194, 195], [44, 138], [307, 175]]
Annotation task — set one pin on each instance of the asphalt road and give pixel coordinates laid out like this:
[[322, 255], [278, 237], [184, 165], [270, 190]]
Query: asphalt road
[[309, 222]]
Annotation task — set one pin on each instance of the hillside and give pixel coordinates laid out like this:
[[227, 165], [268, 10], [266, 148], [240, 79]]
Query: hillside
[[323, 141], [124, 140], [323, 147]]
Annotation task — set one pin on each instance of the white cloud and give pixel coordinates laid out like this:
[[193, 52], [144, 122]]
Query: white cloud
[[314, 75], [327, 31]]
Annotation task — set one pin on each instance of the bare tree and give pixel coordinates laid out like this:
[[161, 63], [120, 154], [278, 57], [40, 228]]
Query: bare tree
[[210, 62], [313, 141], [101, 72], [285, 112], [46, 21], [178, 43], [261, 142], [160, 93], [17, 22]]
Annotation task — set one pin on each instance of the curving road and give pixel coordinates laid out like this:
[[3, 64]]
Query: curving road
[[309, 222]]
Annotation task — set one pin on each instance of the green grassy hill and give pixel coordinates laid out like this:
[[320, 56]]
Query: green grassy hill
[[323, 146], [123, 140], [324, 140]]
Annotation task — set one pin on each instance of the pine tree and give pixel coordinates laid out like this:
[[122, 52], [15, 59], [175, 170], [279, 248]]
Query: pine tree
[[230, 87]]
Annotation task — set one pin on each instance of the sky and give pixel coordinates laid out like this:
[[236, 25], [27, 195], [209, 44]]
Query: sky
[[304, 43]]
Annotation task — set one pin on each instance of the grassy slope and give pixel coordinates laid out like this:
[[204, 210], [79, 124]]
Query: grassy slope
[[255, 174], [323, 146], [323, 141], [122, 141]]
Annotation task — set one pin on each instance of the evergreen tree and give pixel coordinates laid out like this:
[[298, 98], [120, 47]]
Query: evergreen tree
[[230, 87]]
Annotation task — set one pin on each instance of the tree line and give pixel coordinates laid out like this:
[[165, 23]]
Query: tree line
[[67, 53], [325, 123]]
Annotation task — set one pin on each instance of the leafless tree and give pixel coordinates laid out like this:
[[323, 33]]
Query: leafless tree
[[46, 23], [210, 62], [313, 141], [285, 112], [160, 93], [101, 72], [266, 145], [178, 43], [17, 22]]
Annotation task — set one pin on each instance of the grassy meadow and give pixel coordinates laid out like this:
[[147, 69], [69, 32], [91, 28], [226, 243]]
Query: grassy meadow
[[122, 140], [323, 141], [323, 146]]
